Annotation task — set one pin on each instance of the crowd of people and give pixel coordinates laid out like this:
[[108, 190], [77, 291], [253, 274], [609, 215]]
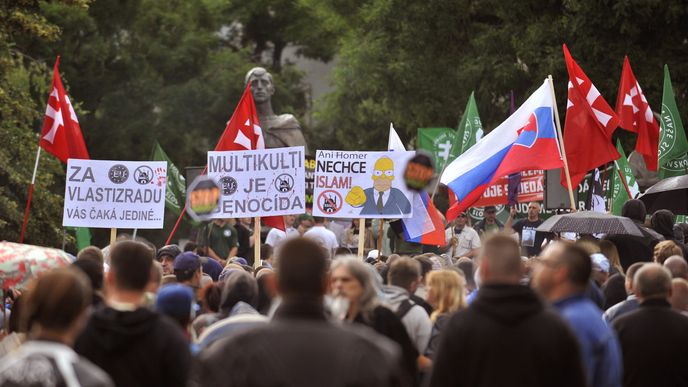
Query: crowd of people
[[502, 304]]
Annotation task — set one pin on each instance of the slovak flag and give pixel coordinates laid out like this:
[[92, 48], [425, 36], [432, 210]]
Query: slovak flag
[[425, 225], [61, 135], [243, 132], [526, 140]]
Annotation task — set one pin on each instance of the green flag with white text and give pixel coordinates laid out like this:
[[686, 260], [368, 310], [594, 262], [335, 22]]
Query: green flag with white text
[[673, 146], [470, 128], [438, 142], [175, 194], [619, 193]]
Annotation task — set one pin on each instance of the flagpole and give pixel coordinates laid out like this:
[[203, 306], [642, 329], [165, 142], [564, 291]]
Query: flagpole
[[561, 143], [623, 180], [28, 200], [113, 236], [256, 243], [379, 238], [361, 236]]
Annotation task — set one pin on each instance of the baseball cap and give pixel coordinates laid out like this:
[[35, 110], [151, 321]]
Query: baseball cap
[[175, 300], [373, 254], [171, 250], [600, 262], [187, 261], [239, 260]]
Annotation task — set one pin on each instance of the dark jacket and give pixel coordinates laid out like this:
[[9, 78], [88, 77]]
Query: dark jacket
[[653, 341], [299, 348], [506, 337], [633, 248], [139, 348], [437, 328], [386, 323]]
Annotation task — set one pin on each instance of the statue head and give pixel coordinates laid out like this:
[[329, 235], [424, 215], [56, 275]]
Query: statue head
[[262, 87]]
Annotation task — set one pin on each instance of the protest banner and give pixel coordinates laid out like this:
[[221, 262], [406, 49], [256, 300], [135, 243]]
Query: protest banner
[[531, 189], [310, 181], [115, 194], [361, 184], [264, 182]]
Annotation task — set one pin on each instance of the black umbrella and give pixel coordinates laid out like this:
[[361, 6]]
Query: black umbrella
[[590, 222], [668, 194]]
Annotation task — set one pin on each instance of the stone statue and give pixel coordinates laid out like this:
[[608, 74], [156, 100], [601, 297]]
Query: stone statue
[[279, 130]]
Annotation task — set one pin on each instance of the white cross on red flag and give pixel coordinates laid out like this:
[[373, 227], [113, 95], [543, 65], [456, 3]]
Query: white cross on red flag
[[589, 125], [636, 116], [61, 134], [243, 132]]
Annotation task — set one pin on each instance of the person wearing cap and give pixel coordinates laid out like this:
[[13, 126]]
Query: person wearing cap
[[561, 278], [463, 241], [166, 256], [489, 224], [187, 269], [600, 268], [176, 302]]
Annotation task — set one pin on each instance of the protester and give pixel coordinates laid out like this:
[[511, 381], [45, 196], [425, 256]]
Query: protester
[[403, 278], [267, 255], [562, 276], [220, 240], [614, 290], [679, 295], [324, 237], [418, 296], [135, 346], [210, 296], [609, 250], [300, 347], [94, 272], [276, 236], [351, 281], [631, 302], [489, 224], [633, 248], [506, 337], [531, 240], [664, 250], [176, 302], [187, 269], [303, 223], [447, 294], [654, 338], [93, 253], [244, 238], [267, 290], [462, 240], [351, 235], [54, 313], [237, 310], [166, 256], [677, 266]]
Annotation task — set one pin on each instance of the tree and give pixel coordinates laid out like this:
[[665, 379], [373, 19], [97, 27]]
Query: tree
[[24, 88], [415, 63]]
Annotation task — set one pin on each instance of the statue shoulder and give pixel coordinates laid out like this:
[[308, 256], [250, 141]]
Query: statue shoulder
[[288, 121]]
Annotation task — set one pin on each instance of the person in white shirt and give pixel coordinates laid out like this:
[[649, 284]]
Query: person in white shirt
[[462, 240], [276, 236], [320, 234]]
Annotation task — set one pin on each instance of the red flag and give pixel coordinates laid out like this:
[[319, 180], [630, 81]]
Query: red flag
[[636, 116], [243, 132], [590, 123], [61, 134]]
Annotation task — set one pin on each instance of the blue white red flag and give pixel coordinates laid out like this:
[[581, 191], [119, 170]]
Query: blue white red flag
[[425, 225], [526, 140]]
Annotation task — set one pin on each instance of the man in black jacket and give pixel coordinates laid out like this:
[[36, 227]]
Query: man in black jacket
[[300, 347], [654, 338], [506, 337], [135, 346], [633, 248]]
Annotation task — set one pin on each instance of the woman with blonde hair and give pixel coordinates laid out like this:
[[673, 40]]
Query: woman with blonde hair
[[666, 249], [446, 292]]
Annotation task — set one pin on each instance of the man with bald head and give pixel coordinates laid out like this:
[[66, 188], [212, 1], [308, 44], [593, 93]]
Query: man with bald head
[[679, 295], [654, 338], [279, 130], [506, 337], [677, 266], [631, 302]]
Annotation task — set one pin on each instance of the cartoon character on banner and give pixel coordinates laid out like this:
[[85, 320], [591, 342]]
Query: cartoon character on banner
[[381, 198]]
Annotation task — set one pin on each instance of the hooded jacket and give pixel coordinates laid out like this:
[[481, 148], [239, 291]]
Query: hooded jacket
[[506, 337], [136, 348], [416, 320]]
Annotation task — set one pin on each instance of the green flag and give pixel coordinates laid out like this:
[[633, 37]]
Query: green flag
[[83, 237], [672, 142], [618, 190], [470, 128], [438, 142], [175, 194]]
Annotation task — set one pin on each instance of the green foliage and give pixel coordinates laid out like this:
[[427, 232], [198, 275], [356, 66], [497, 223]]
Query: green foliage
[[415, 63]]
